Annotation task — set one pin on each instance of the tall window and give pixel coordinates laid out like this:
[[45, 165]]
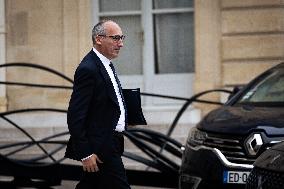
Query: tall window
[[173, 30], [127, 14], [158, 52]]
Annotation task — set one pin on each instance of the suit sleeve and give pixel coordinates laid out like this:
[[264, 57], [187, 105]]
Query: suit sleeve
[[83, 88]]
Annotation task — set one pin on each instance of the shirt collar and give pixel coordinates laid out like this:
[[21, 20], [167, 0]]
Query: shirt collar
[[104, 59]]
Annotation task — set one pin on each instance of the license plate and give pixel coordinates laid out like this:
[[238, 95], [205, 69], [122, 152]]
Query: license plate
[[237, 177]]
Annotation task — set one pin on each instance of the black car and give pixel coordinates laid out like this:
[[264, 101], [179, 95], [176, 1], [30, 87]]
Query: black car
[[268, 170], [221, 149]]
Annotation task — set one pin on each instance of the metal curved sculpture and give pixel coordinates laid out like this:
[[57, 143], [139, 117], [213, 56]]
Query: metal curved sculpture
[[153, 144]]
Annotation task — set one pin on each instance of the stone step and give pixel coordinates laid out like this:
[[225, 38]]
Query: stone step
[[9, 134]]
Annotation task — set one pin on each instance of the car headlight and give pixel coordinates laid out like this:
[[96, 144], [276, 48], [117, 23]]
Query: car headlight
[[196, 137]]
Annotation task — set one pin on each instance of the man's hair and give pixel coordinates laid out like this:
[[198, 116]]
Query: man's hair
[[99, 29]]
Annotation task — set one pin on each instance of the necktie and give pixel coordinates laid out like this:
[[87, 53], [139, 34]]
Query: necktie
[[120, 91]]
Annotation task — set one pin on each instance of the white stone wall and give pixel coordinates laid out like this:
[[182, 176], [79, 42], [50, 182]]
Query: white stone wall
[[234, 42], [2, 56]]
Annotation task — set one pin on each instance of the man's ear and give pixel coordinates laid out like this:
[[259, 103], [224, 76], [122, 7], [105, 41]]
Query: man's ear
[[98, 40]]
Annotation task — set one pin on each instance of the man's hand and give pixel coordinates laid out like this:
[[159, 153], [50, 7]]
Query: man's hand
[[91, 164]]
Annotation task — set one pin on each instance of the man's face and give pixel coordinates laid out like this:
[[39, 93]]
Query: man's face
[[108, 46]]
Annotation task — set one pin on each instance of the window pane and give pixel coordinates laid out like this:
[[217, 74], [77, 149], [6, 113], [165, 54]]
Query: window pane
[[160, 4], [129, 61], [174, 43], [119, 5]]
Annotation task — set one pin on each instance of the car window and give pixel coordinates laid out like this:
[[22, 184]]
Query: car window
[[268, 91]]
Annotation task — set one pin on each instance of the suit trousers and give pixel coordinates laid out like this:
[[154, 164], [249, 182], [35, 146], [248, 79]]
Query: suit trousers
[[111, 174]]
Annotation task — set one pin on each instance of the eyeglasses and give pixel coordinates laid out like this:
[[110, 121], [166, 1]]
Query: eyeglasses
[[116, 38]]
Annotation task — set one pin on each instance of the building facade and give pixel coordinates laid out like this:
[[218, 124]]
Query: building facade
[[173, 47]]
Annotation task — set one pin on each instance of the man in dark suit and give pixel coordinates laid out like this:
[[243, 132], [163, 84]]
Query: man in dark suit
[[97, 115]]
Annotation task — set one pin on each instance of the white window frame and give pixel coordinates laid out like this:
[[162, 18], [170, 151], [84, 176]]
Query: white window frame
[[149, 79]]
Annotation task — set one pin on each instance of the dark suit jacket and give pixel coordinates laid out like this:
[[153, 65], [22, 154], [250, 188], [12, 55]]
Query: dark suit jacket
[[93, 111]]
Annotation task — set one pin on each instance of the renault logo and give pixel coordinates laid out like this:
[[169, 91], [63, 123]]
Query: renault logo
[[253, 143]]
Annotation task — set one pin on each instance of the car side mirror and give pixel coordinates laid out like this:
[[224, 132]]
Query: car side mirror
[[235, 90]]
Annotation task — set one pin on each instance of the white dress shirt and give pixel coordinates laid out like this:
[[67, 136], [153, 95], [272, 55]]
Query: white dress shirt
[[121, 122]]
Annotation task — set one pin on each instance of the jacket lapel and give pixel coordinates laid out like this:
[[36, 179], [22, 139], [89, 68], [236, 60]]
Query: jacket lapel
[[110, 89], [109, 85]]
